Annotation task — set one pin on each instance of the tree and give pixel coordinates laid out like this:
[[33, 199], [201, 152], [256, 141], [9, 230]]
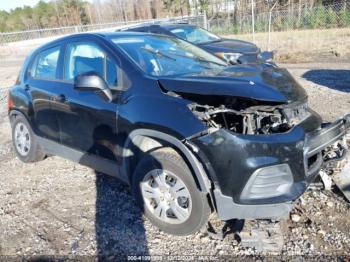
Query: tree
[[56, 13], [3, 18], [176, 6], [203, 5]]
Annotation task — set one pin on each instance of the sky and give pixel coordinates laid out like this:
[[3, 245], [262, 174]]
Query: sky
[[12, 4]]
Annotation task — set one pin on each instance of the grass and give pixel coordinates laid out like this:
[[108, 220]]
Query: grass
[[303, 45]]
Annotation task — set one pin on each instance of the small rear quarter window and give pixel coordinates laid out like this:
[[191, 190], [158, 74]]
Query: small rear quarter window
[[45, 64]]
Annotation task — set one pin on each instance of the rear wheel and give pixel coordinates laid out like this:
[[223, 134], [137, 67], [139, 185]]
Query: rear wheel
[[24, 141], [167, 192]]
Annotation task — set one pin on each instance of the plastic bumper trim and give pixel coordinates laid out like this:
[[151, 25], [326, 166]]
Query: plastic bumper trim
[[227, 209]]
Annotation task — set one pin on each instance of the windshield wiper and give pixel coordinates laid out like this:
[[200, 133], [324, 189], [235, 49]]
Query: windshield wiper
[[207, 61], [209, 42], [158, 53], [197, 58]]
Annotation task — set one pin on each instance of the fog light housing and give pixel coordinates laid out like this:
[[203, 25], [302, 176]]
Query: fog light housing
[[268, 182]]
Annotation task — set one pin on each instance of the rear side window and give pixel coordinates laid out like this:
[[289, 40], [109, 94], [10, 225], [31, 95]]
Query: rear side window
[[45, 64], [155, 30]]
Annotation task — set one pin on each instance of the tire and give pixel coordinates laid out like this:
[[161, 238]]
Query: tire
[[167, 163], [32, 152]]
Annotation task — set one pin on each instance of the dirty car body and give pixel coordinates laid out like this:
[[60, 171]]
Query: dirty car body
[[252, 143]]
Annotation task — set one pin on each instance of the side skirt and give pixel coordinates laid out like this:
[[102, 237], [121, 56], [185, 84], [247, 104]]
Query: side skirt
[[97, 163]]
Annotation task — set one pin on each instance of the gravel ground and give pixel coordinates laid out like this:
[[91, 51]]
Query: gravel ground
[[56, 207]]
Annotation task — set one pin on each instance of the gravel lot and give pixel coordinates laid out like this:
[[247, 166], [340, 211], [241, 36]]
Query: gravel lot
[[56, 207]]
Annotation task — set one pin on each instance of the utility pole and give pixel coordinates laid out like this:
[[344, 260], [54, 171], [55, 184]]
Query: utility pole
[[205, 20], [253, 21], [270, 18]]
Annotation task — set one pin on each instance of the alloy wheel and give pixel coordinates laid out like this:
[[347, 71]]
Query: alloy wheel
[[22, 139]]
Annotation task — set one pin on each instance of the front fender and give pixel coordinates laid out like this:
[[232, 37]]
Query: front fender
[[163, 113]]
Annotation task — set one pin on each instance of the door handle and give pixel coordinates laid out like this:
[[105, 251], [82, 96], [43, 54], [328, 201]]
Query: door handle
[[60, 98]]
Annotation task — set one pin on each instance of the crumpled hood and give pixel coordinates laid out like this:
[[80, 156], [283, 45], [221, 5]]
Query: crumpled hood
[[259, 82], [232, 46]]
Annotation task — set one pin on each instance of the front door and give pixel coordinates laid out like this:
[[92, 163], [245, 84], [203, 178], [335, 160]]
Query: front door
[[88, 123]]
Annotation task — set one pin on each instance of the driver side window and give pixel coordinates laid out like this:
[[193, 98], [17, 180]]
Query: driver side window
[[83, 57]]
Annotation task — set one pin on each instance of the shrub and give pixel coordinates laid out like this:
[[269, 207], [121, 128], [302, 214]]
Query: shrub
[[344, 17], [331, 18]]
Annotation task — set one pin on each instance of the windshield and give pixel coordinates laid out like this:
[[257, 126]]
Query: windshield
[[160, 55], [194, 34]]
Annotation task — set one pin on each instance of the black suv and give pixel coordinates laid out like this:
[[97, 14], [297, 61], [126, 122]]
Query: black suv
[[232, 50], [189, 133]]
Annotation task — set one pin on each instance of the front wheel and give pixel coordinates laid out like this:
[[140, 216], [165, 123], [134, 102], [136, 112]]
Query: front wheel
[[167, 192]]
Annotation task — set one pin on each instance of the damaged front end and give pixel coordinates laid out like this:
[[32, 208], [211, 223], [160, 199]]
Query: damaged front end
[[263, 145], [259, 176], [253, 120]]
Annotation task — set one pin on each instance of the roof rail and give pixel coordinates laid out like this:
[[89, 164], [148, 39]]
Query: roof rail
[[154, 22]]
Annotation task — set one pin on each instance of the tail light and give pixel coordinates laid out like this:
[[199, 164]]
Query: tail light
[[9, 102]]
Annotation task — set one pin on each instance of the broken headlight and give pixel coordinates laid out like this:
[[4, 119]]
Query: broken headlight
[[253, 120], [295, 114]]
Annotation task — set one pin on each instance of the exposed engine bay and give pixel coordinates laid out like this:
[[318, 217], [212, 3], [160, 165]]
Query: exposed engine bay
[[249, 117]]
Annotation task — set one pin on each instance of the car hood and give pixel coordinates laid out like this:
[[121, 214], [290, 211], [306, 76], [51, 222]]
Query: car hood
[[232, 46], [259, 82]]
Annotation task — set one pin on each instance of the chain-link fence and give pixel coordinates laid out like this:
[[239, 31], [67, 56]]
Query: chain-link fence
[[299, 17], [289, 28], [49, 32], [302, 26]]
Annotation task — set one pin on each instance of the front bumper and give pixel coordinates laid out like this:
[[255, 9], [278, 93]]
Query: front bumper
[[231, 159]]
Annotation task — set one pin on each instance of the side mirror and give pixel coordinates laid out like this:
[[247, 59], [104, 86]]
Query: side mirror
[[92, 82], [266, 56]]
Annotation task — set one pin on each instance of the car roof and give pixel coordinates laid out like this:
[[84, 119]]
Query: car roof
[[92, 35], [166, 25], [123, 33], [172, 26]]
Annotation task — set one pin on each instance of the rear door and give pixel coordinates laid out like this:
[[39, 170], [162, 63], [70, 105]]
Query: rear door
[[42, 83]]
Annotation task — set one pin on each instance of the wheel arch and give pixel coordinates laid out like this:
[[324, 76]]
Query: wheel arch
[[146, 140], [15, 112]]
